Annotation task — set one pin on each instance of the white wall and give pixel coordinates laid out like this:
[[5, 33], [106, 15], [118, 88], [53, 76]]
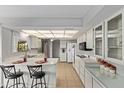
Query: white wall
[[56, 48], [0, 55], [0, 44], [6, 42], [15, 39], [50, 46]]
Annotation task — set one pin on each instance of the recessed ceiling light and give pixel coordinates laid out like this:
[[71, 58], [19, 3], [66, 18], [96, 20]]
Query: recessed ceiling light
[[71, 31], [49, 35], [44, 31], [57, 31], [67, 36], [59, 35]]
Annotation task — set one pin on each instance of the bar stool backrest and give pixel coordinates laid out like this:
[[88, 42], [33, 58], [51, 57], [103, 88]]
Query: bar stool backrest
[[33, 69], [8, 70]]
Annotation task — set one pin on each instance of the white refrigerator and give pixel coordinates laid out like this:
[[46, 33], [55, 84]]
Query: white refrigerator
[[70, 52]]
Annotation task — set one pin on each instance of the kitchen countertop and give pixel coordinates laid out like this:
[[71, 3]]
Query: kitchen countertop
[[106, 79], [86, 59], [32, 60]]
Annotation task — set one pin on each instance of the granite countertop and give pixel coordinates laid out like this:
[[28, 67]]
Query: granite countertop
[[32, 61], [106, 79], [86, 59]]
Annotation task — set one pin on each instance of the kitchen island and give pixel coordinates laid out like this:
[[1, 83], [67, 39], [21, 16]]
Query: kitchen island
[[49, 68]]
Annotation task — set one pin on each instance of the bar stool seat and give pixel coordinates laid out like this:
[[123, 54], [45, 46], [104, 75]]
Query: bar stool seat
[[38, 74], [15, 75]]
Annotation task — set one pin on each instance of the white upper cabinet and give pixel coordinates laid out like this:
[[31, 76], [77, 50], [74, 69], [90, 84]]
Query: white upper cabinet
[[114, 37], [99, 40], [90, 39]]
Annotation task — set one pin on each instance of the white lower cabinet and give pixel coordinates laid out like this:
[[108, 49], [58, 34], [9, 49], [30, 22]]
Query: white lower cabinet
[[82, 73], [85, 76], [88, 80], [77, 65], [82, 78], [96, 84]]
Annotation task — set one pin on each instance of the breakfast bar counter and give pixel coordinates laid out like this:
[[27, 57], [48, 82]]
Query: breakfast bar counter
[[49, 68]]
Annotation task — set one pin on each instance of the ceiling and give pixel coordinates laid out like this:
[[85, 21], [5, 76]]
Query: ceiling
[[47, 17], [45, 11]]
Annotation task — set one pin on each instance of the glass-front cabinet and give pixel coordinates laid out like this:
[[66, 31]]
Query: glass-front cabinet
[[98, 40], [113, 38]]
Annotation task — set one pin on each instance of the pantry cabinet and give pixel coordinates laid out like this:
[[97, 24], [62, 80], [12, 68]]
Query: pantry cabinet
[[82, 72], [99, 40], [114, 38]]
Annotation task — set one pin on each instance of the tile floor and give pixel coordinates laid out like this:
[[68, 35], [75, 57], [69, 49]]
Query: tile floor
[[67, 77]]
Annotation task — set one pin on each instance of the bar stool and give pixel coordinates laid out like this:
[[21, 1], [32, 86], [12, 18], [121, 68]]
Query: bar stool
[[11, 74], [36, 73]]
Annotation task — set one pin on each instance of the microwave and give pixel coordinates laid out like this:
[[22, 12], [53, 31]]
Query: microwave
[[82, 46]]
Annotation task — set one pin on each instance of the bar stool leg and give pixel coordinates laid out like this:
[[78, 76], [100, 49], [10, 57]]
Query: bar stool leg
[[41, 82], [7, 83], [32, 83], [23, 82], [16, 83], [45, 82], [36, 83], [19, 80]]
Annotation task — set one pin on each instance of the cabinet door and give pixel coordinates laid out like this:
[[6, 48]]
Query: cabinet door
[[96, 84], [99, 40], [90, 39], [77, 65], [88, 80], [82, 73], [114, 38]]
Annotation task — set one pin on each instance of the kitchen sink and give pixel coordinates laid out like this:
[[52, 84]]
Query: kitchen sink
[[81, 56]]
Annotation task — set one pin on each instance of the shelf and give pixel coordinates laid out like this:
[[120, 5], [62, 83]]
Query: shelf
[[98, 36], [114, 36], [114, 31], [98, 32], [115, 47]]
